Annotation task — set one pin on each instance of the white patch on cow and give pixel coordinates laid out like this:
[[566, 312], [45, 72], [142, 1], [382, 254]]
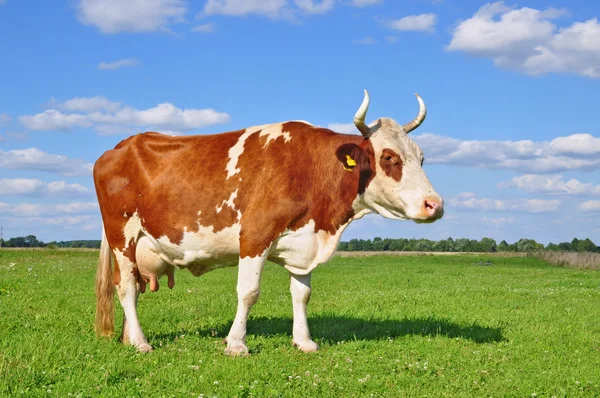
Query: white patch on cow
[[300, 288], [273, 132], [248, 290], [127, 292], [132, 229], [203, 250], [236, 150], [229, 202], [303, 250]]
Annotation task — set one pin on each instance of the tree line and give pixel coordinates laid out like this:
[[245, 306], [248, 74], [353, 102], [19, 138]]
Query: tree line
[[465, 245], [377, 244], [32, 241]]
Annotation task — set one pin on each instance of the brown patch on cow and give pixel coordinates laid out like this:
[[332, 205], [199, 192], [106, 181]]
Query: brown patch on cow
[[287, 184], [391, 163], [129, 252], [171, 179], [116, 271], [177, 183], [361, 159]]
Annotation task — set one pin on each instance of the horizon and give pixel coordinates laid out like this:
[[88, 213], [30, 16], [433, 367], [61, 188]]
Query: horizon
[[511, 140]]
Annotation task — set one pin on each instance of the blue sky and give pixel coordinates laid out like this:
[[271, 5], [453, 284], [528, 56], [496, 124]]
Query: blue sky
[[511, 138]]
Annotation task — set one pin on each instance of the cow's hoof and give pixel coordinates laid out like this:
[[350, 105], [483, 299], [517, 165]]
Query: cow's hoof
[[306, 346], [236, 349], [145, 347]]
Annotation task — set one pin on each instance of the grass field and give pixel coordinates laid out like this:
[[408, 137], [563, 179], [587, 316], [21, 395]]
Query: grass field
[[426, 326]]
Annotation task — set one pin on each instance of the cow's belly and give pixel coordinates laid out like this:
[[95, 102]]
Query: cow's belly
[[302, 250], [199, 251]]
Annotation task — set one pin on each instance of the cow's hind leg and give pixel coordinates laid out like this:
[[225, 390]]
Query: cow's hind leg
[[248, 289], [128, 292], [300, 289]]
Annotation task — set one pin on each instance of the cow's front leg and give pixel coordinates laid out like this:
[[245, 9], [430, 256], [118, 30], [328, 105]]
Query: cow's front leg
[[300, 289], [248, 290]]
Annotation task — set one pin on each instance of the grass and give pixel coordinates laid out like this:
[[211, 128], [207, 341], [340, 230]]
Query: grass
[[426, 326]]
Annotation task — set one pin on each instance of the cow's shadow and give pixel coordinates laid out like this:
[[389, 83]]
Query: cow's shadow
[[331, 329]]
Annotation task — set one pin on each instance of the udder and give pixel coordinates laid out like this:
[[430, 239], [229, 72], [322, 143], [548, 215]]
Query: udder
[[151, 267]]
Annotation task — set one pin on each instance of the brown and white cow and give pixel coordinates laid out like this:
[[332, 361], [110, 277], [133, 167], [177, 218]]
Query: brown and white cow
[[282, 192]]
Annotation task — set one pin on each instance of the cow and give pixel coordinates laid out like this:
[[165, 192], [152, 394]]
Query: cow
[[282, 192]]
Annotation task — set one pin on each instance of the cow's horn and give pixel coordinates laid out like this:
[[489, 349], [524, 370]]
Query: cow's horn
[[419, 119], [359, 117]]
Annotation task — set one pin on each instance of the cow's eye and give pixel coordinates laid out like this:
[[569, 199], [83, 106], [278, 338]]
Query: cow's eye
[[388, 157]]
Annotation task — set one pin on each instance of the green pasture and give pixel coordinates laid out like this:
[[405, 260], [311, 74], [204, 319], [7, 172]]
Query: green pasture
[[411, 326]]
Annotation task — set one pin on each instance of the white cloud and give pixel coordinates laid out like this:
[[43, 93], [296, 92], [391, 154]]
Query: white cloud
[[204, 28], [576, 144], [590, 206], [85, 104], [35, 210], [32, 187], [499, 220], [54, 120], [70, 221], [34, 159], [367, 40], [365, 3], [117, 120], [164, 115], [551, 184], [560, 154], [272, 8], [117, 64], [415, 23], [344, 128], [4, 119], [112, 16], [527, 40], [469, 200], [315, 7]]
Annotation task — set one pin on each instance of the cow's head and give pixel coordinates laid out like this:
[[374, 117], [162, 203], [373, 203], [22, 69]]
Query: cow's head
[[400, 188]]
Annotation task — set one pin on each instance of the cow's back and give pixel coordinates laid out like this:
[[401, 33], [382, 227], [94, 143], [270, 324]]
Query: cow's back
[[170, 183]]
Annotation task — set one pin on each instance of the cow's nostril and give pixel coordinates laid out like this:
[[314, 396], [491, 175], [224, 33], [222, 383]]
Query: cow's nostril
[[430, 205]]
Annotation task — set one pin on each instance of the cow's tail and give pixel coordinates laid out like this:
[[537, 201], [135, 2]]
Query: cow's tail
[[105, 290]]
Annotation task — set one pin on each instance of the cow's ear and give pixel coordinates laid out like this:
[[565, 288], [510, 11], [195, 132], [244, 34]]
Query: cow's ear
[[352, 157]]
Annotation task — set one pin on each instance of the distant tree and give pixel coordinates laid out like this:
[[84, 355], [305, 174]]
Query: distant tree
[[552, 247], [441, 246], [396, 245], [423, 245], [565, 246], [462, 245], [409, 246], [377, 244], [528, 245], [586, 245], [488, 245]]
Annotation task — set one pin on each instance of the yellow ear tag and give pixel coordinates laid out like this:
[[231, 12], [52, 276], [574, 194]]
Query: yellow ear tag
[[351, 163]]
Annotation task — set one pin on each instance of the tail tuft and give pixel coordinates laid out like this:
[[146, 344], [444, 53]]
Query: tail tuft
[[105, 290]]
